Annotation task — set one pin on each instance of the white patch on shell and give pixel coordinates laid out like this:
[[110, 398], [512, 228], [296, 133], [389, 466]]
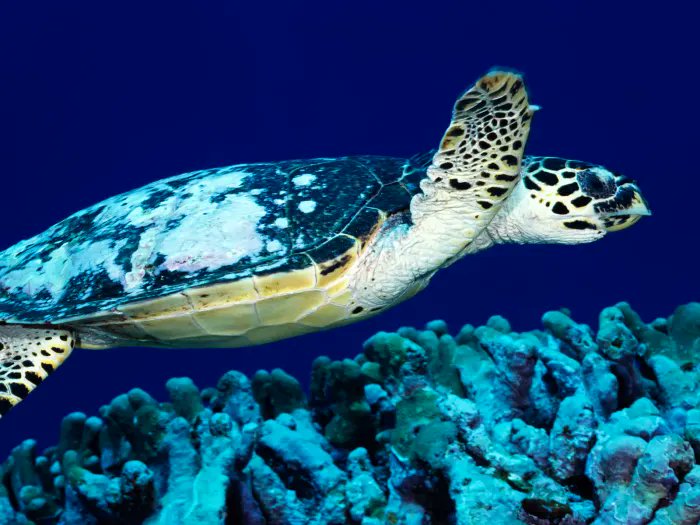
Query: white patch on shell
[[282, 222], [139, 259], [274, 246], [304, 179], [139, 217], [206, 235], [307, 206], [209, 235], [64, 263], [219, 182], [208, 240]]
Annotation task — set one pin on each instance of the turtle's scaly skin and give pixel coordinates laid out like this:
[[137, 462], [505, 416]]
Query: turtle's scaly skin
[[28, 356], [232, 256]]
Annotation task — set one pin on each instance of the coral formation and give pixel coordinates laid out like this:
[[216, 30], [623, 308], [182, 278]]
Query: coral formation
[[553, 426]]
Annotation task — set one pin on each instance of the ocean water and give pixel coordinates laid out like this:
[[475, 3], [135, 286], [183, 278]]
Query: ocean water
[[97, 99]]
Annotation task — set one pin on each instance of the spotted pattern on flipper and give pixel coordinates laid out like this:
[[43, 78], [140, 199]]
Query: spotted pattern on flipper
[[27, 356], [480, 154]]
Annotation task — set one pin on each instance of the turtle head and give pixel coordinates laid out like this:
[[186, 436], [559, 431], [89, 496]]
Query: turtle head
[[567, 202]]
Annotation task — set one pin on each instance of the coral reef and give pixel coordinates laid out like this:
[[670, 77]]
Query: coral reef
[[553, 426]]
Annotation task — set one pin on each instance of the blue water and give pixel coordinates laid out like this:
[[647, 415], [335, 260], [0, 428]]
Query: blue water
[[97, 100]]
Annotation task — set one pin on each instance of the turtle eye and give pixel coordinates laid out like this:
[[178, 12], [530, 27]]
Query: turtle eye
[[596, 184]]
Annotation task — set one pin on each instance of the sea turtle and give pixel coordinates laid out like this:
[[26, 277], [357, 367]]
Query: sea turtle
[[253, 253]]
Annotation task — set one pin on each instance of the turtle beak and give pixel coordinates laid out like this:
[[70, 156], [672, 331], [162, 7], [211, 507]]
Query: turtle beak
[[626, 207]]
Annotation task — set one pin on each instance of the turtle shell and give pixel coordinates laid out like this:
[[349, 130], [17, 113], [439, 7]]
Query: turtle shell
[[200, 229]]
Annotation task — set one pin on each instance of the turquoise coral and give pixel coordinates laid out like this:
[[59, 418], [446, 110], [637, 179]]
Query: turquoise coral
[[553, 426]]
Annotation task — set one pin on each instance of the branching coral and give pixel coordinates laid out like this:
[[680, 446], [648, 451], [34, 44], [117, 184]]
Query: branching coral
[[553, 426]]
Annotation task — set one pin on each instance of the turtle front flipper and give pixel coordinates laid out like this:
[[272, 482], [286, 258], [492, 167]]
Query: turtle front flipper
[[480, 154], [475, 169], [28, 354]]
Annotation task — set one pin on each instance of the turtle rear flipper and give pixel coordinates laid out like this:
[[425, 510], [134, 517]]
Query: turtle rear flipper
[[28, 354]]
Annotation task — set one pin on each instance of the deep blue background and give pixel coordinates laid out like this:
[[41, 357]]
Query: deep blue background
[[97, 98]]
